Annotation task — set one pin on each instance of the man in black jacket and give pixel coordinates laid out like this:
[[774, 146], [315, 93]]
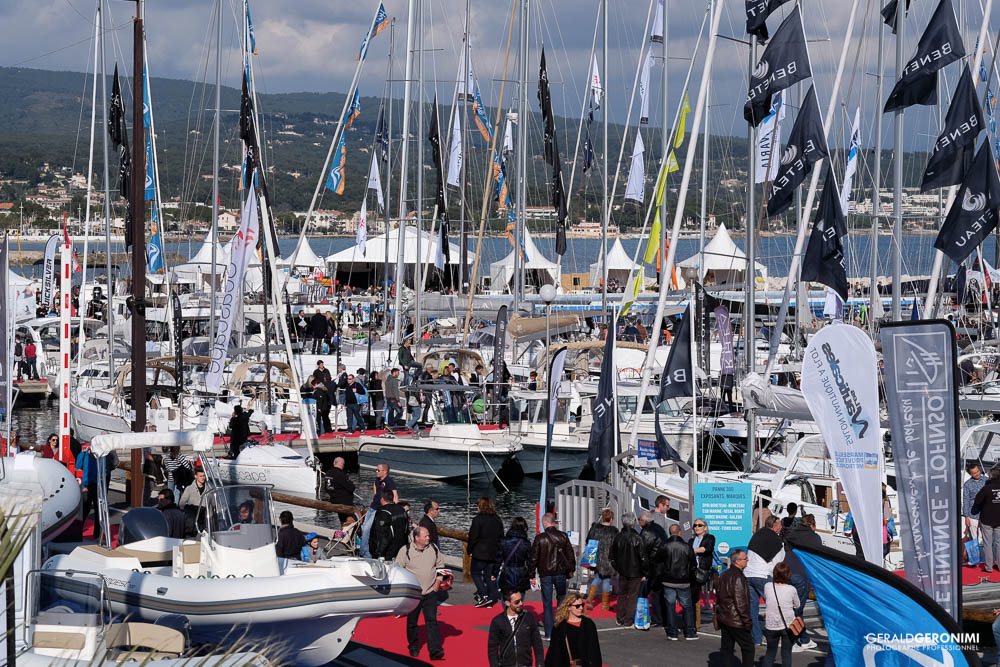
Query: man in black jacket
[[172, 513], [339, 487], [290, 539], [801, 534], [322, 397], [390, 529], [429, 520], [653, 536], [678, 572], [987, 503], [514, 636], [628, 557], [318, 330], [553, 558], [239, 430]]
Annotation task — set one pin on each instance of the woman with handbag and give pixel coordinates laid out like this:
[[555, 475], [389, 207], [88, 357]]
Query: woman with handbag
[[574, 636], [604, 533], [703, 544], [781, 625], [516, 550]]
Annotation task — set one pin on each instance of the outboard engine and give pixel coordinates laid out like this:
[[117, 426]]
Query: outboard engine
[[142, 523]]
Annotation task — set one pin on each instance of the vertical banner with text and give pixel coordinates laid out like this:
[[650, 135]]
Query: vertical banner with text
[[921, 394], [727, 509]]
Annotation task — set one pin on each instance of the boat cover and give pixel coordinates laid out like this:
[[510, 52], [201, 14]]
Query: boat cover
[[771, 400]]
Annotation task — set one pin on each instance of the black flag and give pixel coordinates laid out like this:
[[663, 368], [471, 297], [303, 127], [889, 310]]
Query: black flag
[[955, 148], [382, 136], [824, 260], [889, 13], [552, 156], [973, 214], [806, 146], [940, 45], [248, 133], [784, 63], [434, 137], [675, 382], [604, 431], [118, 132], [588, 145], [757, 13]]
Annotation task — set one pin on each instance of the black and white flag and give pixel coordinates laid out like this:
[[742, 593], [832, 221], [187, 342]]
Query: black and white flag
[[675, 382], [757, 13], [824, 260], [973, 214], [955, 148], [443, 257], [889, 13], [785, 62], [604, 431], [118, 133], [940, 45], [552, 155], [806, 146]]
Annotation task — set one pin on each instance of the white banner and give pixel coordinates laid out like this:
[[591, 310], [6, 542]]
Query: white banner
[[49, 275], [240, 249], [375, 183], [852, 162], [362, 237], [833, 307], [455, 159], [595, 84], [840, 385], [644, 88], [636, 187], [656, 33], [466, 86], [769, 132]]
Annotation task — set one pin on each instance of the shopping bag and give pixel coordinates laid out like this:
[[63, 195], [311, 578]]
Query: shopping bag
[[589, 558], [642, 613], [972, 550]]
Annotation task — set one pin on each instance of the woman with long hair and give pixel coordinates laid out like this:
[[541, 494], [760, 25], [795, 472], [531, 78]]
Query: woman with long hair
[[703, 544], [514, 559], [604, 531], [781, 600], [48, 450], [574, 636], [485, 535]]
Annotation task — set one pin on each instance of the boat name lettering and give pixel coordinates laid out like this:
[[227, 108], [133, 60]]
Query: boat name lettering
[[764, 87], [848, 395]]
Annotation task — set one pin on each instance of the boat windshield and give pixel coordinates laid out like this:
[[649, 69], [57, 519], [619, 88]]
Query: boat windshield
[[66, 597], [240, 516]]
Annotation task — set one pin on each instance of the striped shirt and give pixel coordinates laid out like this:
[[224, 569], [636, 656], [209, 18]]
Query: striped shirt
[[172, 464]]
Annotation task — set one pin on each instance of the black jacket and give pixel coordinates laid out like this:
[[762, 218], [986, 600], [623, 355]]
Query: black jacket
[[583, 644], [653, 537], [322, 399], [704, 560], [431, 527], [389, 531], [239, 427], [318, 326], [551, 553], [322, 374], [678, 562], [175, 520], [503, 651], [987, 503], [351, 392], [339, 487], [485, 535], [290, 542], [799, 536], [514, 562], [605, 536], [628, 555]]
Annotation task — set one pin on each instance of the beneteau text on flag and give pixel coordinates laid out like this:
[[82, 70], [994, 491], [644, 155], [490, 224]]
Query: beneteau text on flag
[[955, 147], [940, 45], [973, 214], [824, 260], [806, 145], [785, 62]]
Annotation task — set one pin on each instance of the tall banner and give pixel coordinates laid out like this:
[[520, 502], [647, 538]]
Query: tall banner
[[603, 444], [702, 328], [723, 323], [554, 381], [769, 137], [840, 385], [49, 274], [921, 393], [175, 303], [6, 322], [241, 247]]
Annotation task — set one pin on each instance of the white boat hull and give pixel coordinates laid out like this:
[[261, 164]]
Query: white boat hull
[[277, 465], [53, 481]]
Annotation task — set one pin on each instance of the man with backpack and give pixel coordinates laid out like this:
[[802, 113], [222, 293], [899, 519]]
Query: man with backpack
[[389, 529]]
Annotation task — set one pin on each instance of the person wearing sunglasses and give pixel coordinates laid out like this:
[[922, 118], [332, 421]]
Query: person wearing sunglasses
[[50, 447], [514, 639], [705, 578], [574, 636]]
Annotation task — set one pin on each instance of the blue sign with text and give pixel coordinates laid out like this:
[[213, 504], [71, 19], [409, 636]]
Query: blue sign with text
[[728, 511]]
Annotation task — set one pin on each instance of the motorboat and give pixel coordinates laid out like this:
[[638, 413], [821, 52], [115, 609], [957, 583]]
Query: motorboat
[[229, 578], [278, 465], [50, 478], [570, 431]]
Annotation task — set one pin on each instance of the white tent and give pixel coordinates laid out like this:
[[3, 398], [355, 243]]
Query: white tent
[[722, 259], [199, 267], [619, 266], [304, 256], [539, 270], [351, 262]]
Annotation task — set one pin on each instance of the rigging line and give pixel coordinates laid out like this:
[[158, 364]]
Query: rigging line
[[583, 109], [88, 38], [79, 122]]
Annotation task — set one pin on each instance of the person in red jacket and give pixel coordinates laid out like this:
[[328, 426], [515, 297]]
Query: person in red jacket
[[31, 360]]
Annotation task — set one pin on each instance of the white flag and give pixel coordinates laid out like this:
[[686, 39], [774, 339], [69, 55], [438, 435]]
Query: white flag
[[508, 137], [242, 246], [644, 88], [636, 188], [362, 237], [439, 258], [375, 183], [769, 132], [455, 160], [595, 84], [852, 162], [656, 35], [466, 86]]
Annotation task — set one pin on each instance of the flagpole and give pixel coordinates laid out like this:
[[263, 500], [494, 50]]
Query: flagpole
[[107, 202], [749, 275], [216, 129], [465, 282], [403, 158], [90, 174], [873, 295], [388, 175], [897, 180], [138, 242], [522, 149], [418, 277], [605, 213], [583, 108], [930, 307]]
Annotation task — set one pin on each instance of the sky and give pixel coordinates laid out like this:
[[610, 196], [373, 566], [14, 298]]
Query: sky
[[310, 45]]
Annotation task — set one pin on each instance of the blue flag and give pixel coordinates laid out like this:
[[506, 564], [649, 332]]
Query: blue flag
[[876, 617], [147, 122], [335, 179], [154, 251], [253, 38], [380, 23]]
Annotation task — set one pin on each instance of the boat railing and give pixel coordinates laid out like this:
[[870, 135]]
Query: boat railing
[[66, 598]]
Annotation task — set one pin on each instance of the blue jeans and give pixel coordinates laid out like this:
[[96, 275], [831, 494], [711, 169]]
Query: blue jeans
[[602, 584], [355, 422], [483, 575], [393, 413], [414, 418], [757, 586], [366, 531], [801, 585], [557, 581], [670, 598], [774, 638], [996, 636]]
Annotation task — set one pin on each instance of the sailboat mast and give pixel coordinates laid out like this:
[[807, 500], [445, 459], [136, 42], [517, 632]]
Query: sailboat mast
[[90, 182], [604, 162], [749, 301], [107, 201], [665, 132], [403, 158], [216, 129], [418, 276], [465, 281], [138, 241], [873, 295], [387, 168], [897, 163], [522, 150]]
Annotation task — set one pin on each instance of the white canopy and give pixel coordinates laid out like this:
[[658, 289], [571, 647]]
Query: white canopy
[[722, 257], [545, 271], [204, 254], [304, 256], [104, 444], [375, 249], [619, 266]]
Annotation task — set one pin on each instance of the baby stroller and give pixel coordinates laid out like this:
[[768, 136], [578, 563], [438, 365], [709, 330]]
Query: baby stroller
[[343, 542]]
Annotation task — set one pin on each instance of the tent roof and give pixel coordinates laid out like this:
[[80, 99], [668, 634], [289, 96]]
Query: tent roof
[[721, 254], [204, 254], [375, 249], [304, 255], [502, 272], [618, 260]]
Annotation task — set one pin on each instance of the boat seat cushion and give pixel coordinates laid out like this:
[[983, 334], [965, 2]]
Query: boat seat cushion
[[157, 638], [191, 553], [69, 641], [104, 551], [147, 557]]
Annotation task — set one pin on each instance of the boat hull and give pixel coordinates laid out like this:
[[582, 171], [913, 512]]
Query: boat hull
[[414, 460], [563, 461]]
